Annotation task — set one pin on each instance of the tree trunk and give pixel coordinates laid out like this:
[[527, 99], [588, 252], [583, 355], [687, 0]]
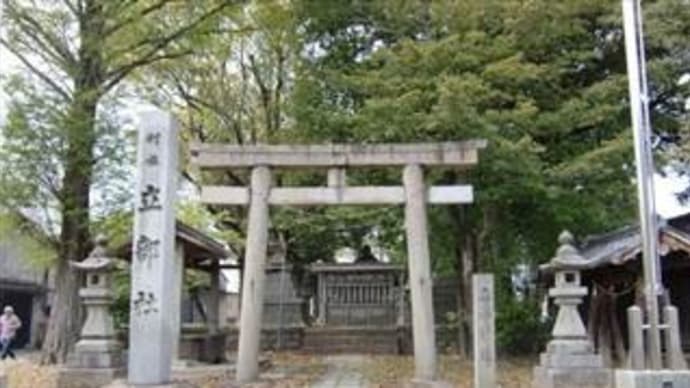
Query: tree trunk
[[465, 254], [65, 320]]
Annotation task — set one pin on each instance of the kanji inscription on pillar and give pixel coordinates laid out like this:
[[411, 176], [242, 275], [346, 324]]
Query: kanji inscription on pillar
[[151, 334]]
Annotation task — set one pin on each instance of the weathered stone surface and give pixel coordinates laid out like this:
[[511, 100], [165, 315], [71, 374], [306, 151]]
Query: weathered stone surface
[[484, 333], [254, 277], [97, 357], [572, 377], [584, 360], [292, 338], [651, 378], [352, 340], [88, 377], [569, 360], [337, 155], [153, 285], [196, 372], [675, 358], [124, 384], [3, 380], [423, 335], [418, 383], [362, 195]]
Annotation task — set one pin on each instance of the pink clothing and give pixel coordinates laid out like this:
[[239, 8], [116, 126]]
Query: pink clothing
[[9, 326]]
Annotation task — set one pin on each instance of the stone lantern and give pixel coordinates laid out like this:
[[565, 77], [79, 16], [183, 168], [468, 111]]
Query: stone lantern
[[569, 359], [97, 356]]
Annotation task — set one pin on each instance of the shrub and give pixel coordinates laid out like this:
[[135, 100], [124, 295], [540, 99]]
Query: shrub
[[519, 327]]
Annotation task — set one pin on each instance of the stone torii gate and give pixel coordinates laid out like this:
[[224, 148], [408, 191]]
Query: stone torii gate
[[414, 194]]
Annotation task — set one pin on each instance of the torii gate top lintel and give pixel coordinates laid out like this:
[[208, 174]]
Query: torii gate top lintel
[[217, 156], [336, 158]]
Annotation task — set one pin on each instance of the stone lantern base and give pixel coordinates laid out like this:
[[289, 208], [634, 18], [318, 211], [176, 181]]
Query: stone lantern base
[[94, 363], [96, 354], [585, 377], [569, 364], [416, 383], [88, 377]]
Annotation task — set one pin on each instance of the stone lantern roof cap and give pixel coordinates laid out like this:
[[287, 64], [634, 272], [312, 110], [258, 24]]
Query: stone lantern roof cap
[[98, 259], [567, 255]]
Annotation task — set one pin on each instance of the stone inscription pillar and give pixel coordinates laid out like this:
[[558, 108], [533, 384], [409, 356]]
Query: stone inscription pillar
[[424, 337], [484, 333], [152, 315], [254, 276]]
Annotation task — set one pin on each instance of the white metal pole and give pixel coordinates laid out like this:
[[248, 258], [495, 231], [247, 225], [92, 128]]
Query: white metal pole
[[639, 110]]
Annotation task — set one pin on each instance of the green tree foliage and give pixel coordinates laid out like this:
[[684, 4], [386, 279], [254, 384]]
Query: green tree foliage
[[231, 89], [75, 54], [543, 81]]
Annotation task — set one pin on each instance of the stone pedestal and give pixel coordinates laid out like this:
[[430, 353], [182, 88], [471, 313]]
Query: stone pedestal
[[652, 378], [569, 359], [97, 358], [483, 324], [416, 383], [88, 378]]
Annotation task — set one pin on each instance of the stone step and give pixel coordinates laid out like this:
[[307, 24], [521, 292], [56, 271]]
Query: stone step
[[351, 340]]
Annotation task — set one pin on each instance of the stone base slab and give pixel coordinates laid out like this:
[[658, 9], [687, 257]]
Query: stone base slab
[[3, 380], [555, 360], [96, 359], [652, 378], [416, 383], [88, 378], [124, 384], [572, 378], [196, 372]]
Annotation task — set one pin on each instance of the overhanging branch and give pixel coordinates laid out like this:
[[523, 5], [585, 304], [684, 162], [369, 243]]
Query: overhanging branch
[[35, 30], [152, 54], [43, 76], [124, 71], [129, 20]]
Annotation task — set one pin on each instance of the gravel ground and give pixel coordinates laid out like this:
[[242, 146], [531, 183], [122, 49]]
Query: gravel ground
[[395, 371], [291, 370]]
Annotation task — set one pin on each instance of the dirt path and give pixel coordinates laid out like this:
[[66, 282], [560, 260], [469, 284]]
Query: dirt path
[[342, 372]]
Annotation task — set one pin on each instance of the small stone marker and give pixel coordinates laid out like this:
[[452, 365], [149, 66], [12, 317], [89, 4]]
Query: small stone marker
[[484, 331], [152, 315]]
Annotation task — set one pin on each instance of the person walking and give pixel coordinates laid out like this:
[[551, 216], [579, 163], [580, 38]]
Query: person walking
[[9, 324]]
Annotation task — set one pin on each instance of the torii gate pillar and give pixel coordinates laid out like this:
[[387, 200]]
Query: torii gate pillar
[[423, 335]]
